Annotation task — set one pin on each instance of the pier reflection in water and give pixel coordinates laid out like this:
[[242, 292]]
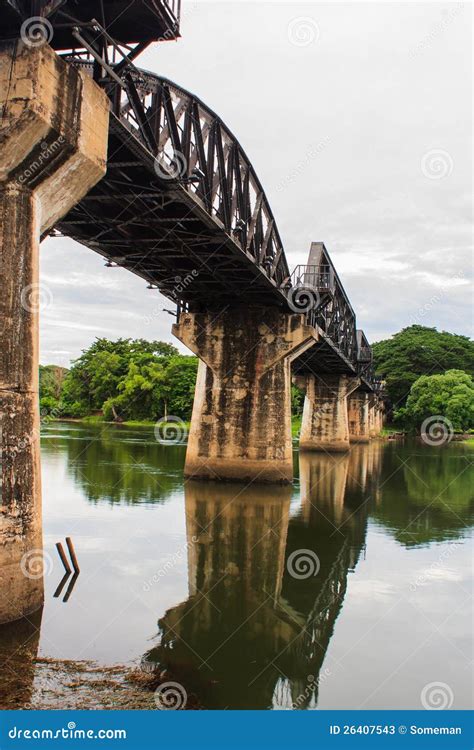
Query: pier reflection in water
[[264, 589], [19, 642], [240, 617]]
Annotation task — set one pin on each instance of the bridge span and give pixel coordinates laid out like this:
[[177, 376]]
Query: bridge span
[[140, 170]]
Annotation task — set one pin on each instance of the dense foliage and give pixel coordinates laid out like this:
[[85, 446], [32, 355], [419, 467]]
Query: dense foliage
[[417, 351], [126, 379], [450, 395]]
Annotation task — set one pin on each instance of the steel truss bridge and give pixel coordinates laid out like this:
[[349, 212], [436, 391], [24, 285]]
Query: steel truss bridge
[[181, 205]]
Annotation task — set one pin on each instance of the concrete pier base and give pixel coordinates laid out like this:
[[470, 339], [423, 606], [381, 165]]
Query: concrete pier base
[[325, 424], [53, 146], [379, 418], [372, 412], [358, 411], [241, 421]]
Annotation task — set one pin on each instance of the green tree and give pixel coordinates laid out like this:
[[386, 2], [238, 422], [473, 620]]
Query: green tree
[[417, 351], [450, 395], [178, 386], [155, 388], [96, 375], [297, 400], [51, 379], [138, 392]]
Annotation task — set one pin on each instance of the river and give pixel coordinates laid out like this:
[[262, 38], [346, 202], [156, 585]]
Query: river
[[350, 589]]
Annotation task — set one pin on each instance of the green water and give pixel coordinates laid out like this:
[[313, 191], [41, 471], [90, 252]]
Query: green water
[[349, 590]]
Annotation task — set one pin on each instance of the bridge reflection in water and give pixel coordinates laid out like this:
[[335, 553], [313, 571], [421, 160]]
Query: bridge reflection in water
[[249, 633], [19, 642], [266, 586]]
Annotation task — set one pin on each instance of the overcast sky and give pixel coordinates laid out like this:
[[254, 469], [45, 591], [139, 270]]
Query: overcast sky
[[357, 117]]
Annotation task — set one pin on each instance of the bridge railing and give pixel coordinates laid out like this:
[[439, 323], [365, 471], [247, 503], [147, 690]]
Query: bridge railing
[[365, 366], [319, 278], [328, 306]]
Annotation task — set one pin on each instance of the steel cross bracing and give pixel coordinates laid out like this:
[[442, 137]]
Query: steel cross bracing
[[182, 206], [181, 202]]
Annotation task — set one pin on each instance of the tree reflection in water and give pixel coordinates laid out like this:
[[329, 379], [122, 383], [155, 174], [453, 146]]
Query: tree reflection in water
[[429, 496], [118, 464]]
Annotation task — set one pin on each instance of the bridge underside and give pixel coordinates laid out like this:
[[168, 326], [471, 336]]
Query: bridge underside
[[158, 230], [127, 21], [323, 357]]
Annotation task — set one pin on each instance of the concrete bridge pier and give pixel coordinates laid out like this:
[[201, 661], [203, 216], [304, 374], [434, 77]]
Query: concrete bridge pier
[[241, 421], [325, 424], [373, 416], [53, 145], [380, 417], [358, 412]]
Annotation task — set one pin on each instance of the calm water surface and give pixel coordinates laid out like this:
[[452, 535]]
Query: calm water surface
[[349, 590]]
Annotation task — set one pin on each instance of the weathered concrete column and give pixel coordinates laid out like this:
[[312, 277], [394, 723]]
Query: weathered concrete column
[[325, 424], [380, 417], [372, 413], [53, 146], [241, 421], [358, 410]]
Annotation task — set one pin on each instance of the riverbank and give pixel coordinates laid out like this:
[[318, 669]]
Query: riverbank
[[96, 420], [82, 685]]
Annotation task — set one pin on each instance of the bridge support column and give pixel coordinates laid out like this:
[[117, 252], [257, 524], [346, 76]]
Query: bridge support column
[[373, 417], [53, 146], [325, 424], [358, 411], [379, 417], [241, 421]]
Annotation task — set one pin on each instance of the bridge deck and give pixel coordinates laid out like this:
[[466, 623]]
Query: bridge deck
[[159, 230]]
